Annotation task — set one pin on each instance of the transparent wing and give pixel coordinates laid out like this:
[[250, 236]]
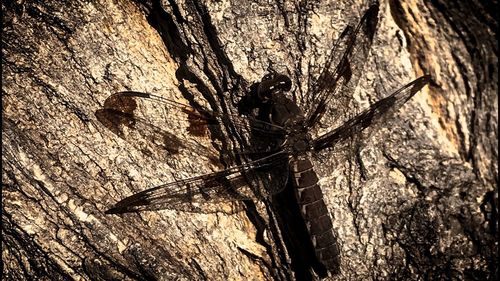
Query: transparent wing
[[340, 81], [371, 116], [225, 186], [127, 102], [124, 114]]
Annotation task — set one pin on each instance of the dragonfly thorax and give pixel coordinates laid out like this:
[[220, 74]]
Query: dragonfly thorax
[[298, 140]]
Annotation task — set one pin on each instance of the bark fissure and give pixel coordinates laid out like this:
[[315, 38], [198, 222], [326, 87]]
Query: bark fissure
[[418, 201]]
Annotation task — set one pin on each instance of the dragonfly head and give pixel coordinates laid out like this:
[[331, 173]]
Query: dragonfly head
[[262, 94], [272, 83]]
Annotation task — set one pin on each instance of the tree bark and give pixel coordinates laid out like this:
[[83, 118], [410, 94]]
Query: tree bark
[[416, 199]]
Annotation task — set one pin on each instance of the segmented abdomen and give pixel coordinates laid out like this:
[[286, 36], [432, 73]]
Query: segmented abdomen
[[315, 213]]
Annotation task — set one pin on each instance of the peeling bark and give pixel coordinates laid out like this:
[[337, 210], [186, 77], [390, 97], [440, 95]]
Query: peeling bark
[[416, 199]]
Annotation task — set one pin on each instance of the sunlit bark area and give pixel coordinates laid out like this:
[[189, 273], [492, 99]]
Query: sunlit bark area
[[415, 198]]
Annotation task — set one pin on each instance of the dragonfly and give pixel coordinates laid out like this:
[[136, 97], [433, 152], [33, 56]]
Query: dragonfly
[[281, 139]]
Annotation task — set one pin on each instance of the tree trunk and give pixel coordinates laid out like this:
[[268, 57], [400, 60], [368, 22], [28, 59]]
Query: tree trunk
[[416, 199]]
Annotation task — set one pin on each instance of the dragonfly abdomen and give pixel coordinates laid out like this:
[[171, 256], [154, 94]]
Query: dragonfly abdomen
[[315, 214]]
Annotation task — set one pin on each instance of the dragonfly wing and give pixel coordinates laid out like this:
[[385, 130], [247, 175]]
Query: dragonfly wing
[[225, 186], [371, 116], [124, 114], [199, 119], [150, 139], [340, 80]]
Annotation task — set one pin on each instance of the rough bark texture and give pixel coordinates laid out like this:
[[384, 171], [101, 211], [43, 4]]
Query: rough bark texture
[[417, 200]]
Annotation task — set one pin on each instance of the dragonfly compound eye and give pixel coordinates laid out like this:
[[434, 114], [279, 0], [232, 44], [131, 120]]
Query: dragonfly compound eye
[[272, 83]]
